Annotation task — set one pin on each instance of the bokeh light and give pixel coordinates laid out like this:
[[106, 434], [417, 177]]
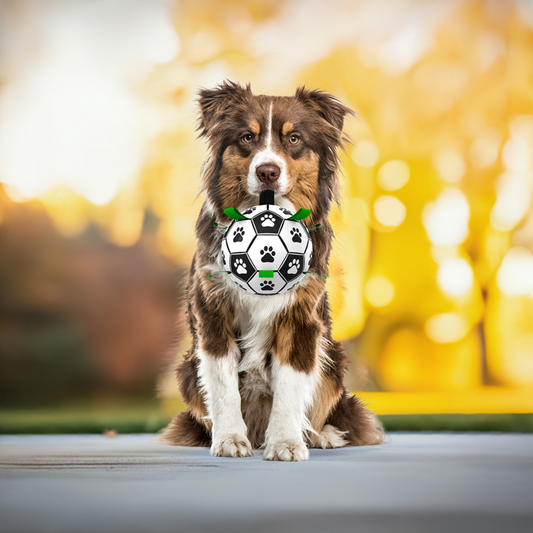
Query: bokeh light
[[389, 211], [455, 276], [446, 327], [515, 275], [365, 154], [379, 291], [446, 219], [393, 175], [484, 150], [451, 166]]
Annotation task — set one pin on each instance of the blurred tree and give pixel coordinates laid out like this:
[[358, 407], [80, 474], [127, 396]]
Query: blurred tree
[[78, 316]]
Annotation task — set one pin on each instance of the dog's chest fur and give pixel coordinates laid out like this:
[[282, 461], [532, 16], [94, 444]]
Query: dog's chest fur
[[254, 319]]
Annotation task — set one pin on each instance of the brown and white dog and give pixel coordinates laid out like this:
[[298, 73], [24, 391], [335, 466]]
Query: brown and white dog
[[264, 371]]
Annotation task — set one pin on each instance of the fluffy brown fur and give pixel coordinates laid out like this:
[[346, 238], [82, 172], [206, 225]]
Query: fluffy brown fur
[[301, 333]]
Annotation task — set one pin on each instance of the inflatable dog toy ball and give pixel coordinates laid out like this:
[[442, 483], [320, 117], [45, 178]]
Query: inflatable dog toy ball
[[267, 249]]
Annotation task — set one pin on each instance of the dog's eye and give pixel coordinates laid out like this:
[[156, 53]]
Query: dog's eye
[[248, 138], [294, 139]]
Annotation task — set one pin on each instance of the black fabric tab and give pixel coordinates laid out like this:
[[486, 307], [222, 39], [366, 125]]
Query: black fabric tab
[[266, 197]]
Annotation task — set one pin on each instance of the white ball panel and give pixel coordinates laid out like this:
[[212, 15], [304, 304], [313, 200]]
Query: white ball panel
[[285, 213], [267, 286], [240, 283], [252, 211], [308, 255], [225, 255], [293, 283], [239, 236], [267, 252], [295, 236]]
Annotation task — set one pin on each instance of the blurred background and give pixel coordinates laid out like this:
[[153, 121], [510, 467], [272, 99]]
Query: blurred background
[[432, 272]]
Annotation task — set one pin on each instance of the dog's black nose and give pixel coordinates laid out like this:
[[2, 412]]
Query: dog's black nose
[[268, 173]]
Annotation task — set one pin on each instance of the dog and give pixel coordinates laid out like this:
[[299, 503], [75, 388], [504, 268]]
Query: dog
[[264, 371]]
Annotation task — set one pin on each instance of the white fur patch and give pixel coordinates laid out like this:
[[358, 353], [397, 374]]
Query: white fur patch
[[219, 381], [269, 132], [294, 392], [209, 207], [324, 360]]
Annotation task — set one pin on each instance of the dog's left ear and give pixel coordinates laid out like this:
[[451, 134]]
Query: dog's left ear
[[326, 105]]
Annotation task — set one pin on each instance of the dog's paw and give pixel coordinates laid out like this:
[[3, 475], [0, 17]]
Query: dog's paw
[[286, 450], [232, 446]]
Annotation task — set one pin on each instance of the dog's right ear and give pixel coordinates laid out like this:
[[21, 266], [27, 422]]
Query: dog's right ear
[[326, 105], [215, 102]]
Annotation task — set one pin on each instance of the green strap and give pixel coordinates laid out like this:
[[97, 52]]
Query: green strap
[[234, 213], [219, 225], [317, 273], [262, 273], [209, 276], [314, 227], [300, 214]]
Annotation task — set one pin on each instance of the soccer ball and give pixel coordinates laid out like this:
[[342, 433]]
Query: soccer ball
[[267, 254]]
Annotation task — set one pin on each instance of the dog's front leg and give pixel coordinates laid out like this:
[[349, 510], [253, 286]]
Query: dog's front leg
[[220, 383], [293, 381]]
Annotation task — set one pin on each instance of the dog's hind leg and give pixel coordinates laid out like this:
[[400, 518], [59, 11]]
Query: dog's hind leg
[[327, 396], [191, 427], [338, 418]]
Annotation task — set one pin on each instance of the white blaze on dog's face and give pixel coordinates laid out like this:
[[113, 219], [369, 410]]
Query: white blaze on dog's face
[[268, 169]]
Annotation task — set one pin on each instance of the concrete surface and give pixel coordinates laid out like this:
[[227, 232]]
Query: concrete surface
[[418, 482]]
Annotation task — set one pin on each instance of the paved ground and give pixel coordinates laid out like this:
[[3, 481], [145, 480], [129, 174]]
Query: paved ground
[[428, 483]]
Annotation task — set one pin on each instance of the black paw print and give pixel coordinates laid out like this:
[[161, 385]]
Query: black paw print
[[267, 254], [267, 285], [268, 221], [238, 235], [294, 265], [296, 235], [240, 266]]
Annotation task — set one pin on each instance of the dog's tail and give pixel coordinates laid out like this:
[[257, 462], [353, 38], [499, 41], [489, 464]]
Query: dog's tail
[[185, 430], [360, 426]]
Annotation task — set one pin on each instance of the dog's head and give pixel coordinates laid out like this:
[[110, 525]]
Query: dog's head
[[288, 144]]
